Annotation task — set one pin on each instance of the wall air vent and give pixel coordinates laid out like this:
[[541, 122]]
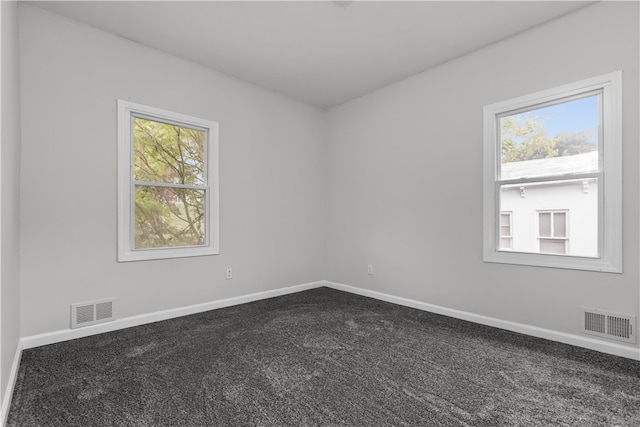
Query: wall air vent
[[91, 312], [605, 324]]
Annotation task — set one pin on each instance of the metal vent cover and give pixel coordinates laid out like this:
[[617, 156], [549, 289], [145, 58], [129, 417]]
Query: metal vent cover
[[606, 324], [91, 312], [104, 310]]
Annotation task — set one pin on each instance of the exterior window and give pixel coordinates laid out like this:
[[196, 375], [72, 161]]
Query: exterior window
[[167, 183], [505, 231], [552, 232], [549, 153]]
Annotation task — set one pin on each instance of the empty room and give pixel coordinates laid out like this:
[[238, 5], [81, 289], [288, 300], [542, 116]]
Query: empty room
[[320, 213]]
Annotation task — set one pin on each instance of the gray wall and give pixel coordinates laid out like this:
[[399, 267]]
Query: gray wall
[[272, 166], [393, 178], [10, 203], [405, 177]]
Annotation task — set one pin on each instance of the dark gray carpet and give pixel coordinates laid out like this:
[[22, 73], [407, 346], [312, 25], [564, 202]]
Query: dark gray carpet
[[321, 358]]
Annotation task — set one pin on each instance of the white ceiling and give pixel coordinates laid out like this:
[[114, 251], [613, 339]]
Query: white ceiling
[[322, 53]]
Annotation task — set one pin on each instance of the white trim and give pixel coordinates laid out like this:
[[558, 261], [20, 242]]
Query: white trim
[[125, 187], [13, 376], [610, 199], [69, 334], [142, 319], [575, 340]]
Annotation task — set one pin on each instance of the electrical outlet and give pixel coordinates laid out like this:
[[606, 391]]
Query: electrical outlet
[[369, 269], [229, 273]]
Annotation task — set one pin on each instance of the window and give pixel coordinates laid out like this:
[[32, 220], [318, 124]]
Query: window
[[549, 153], [505, 231], [167, 184], [552, 232]]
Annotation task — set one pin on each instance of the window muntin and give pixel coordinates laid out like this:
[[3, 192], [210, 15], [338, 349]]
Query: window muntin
[[552, 232], [167, 174], [531, 160]]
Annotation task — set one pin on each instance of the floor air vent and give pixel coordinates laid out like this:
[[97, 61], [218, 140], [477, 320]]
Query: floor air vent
[[608, 325], [91, 312]]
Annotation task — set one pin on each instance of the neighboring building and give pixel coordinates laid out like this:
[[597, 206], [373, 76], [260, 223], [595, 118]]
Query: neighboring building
[[559, 217]]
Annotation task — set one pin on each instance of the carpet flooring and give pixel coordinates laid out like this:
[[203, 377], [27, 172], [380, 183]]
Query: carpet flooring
[[321, 358]]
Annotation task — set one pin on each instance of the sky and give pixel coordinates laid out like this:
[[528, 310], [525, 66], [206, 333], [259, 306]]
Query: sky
[[573, 116]]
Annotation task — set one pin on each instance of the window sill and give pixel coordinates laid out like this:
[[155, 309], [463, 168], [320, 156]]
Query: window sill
[[166, 253], [554, 261]]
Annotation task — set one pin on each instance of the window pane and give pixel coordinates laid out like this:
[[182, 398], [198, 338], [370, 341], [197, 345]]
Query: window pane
[[530, 202], [505, 219], [551, 246], [555, 140], [169, 217], [168, 153], [545, 224], [505, 231], [559, 224]]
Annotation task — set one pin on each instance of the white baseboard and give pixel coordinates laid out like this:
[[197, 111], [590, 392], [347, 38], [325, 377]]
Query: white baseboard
[[576, 340], [8, 393], [69, 334], [127, 322]]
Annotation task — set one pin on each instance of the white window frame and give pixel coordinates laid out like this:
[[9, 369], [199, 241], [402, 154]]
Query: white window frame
[[609, 257], [126, 192], [552, 213]]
